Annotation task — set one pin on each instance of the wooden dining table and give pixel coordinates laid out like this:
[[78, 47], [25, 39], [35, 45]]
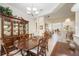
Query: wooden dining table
[[27, 45]]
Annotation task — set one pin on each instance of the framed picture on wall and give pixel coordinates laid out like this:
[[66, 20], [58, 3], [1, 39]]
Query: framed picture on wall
[[41, 27]]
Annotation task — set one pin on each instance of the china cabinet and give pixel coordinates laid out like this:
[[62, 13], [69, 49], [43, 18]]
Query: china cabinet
[[10, 30]]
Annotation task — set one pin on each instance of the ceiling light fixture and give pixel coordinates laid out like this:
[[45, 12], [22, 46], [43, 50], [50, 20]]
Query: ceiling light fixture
[[28, 12], [32, 11], [28, 8], [36, 12]]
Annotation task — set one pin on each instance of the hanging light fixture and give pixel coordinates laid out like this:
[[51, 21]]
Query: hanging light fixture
[[32, 11], [28, 8]]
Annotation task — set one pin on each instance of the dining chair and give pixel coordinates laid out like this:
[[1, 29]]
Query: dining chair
[[41, 49], [20, 44], [8, 45]]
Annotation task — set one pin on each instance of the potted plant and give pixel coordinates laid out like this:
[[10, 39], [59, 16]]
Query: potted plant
[[8, 11], [5, 11], [2, 9]]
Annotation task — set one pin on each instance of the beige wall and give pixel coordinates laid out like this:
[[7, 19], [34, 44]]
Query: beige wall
[[35, 29], [76, 36], [77, 24], [32, 27], [40, 22], [75, 9]]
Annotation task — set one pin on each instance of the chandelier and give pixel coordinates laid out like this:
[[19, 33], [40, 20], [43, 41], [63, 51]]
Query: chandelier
[[32, 11]]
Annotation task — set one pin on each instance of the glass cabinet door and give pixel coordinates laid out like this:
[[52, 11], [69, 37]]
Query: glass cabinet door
[[27, 28], [21, 29], [15, 28], [0, 27], [7, 27]]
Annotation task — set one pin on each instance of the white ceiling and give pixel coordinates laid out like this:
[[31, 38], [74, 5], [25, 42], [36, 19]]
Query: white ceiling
[[63, 11], [53, 10], [44, 8]]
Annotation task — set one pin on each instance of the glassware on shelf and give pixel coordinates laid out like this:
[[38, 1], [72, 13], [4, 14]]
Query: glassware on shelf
[[7, 28], [15, 28], [27, 28], [0, 28], [21, 29]]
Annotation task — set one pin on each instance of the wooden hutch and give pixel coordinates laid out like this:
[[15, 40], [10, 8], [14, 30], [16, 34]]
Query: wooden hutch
[[10, 30]]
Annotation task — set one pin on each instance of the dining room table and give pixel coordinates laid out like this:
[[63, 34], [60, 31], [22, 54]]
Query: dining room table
[[27, 45]]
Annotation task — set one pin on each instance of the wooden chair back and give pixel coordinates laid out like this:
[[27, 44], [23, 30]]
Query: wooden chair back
[[42, 47]]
